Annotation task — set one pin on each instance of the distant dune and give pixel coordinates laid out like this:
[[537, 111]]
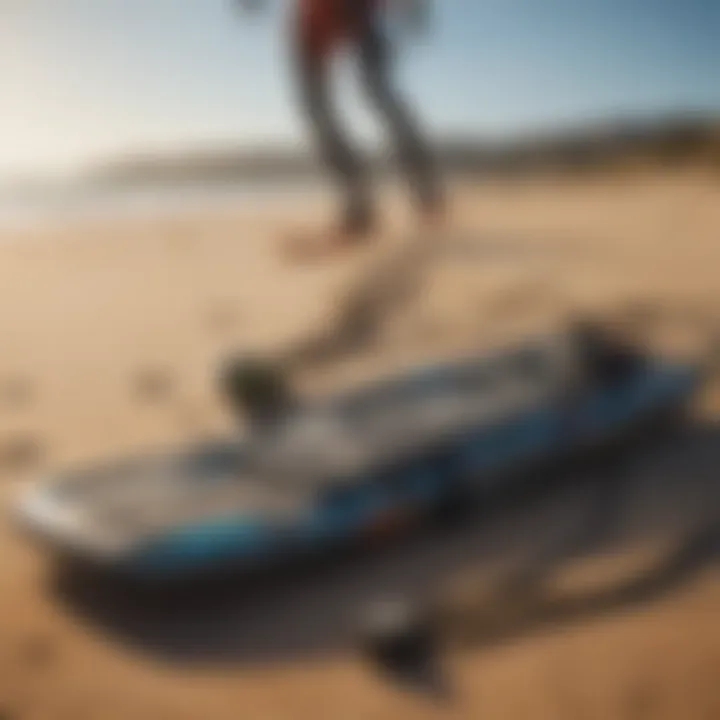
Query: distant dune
[[667, 141]]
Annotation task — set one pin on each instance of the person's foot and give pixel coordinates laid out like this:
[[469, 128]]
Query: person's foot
[[320, 245], [353, 232], [432, 209], [359, 220]]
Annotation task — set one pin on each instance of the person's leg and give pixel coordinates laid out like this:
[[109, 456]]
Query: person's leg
[[334, 148], [375, 68]]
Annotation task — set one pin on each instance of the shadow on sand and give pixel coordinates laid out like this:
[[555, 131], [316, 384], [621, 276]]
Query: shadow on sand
[[665, 492], [392, 286], [396, 282]]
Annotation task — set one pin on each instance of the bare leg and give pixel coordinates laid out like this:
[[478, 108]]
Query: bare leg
[[335, 149], [414, 154]]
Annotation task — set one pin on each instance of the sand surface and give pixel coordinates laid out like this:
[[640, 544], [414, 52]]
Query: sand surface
[[110, 333]]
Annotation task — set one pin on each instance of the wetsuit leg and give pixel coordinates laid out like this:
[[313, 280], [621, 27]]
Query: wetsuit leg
[[335, 149], [375, 67]]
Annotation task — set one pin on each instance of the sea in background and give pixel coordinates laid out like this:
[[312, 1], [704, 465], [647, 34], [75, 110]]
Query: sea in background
[[23, 208]]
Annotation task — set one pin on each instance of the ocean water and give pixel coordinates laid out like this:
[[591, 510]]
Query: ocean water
[[36, 207]]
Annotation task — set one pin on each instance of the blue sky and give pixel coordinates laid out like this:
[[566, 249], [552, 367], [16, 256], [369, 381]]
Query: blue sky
[[83, 79]]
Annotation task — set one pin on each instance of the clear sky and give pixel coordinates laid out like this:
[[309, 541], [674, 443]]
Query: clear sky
[[82, 79]]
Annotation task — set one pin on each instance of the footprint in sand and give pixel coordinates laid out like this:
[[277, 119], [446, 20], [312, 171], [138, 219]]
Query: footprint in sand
[[20, 452], [16, 393], [519, 298], [154, 385], [37, 652], [158, 387], [221, 318]]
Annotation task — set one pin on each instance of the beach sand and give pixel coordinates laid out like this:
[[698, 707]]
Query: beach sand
[[111, 330]]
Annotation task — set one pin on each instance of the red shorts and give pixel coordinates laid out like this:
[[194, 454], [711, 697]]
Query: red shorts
[[325, 24]]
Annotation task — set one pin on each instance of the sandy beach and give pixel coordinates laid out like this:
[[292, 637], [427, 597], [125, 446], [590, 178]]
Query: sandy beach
[[111, 330]]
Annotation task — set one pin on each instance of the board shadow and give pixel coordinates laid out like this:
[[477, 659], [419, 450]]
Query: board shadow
[[666, 490]]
